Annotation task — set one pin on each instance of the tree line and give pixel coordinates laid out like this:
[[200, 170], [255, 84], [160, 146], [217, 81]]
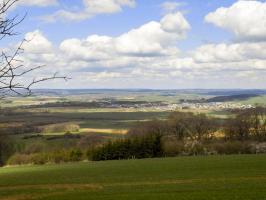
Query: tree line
[[186, 133]]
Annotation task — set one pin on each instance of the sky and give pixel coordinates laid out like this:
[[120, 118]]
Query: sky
[[156, 44]]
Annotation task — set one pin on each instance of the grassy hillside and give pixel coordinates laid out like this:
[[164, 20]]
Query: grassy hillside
[[215, 177]]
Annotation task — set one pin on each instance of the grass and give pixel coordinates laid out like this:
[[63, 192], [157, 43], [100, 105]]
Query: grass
[[260, 100], [240, 177]]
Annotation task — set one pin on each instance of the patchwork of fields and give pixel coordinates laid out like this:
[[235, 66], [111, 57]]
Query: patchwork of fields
[[43, 122], [240, 177], [40, 125]]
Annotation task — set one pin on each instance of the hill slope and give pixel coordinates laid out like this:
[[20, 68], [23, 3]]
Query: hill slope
[[215, 177]]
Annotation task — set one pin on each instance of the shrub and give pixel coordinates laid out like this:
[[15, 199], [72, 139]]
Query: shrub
[[260, 148], [39, 158], [76, 155], [195, 148], [90, 140], [172, 147], [34, 148], [6, 148], [46, 157], [233, 147], [19, 159], [59, 128], [59, 156], [22, 159]]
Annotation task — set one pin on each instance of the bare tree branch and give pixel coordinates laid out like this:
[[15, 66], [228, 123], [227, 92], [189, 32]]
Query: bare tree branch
[[12, 69]]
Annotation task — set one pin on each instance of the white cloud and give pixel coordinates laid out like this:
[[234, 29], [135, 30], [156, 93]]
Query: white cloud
[[170, 6], [91, 49], [221, 53], [106, 6], [37, 43], [40, 3], [149, 40], [141, 50], [95, 60], [175, 23], [149, 54], [91, 9], [246, 19]]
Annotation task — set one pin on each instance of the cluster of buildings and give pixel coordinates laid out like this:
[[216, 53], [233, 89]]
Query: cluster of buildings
[[180, 106], [168, 106], [214, 106]]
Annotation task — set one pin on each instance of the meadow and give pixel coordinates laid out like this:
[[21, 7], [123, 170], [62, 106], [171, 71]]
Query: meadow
[[236, 177]]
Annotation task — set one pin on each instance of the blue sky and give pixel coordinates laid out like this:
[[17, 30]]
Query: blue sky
[[195, 44], [118, 23]]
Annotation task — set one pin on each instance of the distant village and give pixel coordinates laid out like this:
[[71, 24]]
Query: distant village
[[163, 106]]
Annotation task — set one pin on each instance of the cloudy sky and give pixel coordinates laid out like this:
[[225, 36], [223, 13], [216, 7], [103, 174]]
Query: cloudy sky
[[146, 43]]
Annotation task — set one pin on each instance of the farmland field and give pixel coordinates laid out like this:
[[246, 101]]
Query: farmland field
[[43, 120], [240, 177]]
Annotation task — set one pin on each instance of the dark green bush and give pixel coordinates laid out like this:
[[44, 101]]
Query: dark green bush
[[6, 148], [76, 155], [138, 147]]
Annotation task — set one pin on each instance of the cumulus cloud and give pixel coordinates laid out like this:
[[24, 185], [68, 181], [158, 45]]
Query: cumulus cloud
[[91, 49], [175, 23], [37, 43], [149, 54], [138, 52], [91, 9], [230, 52], [246, 19], [149, 40]]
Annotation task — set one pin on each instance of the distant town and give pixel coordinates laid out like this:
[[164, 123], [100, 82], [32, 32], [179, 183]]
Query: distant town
[[166, 106]]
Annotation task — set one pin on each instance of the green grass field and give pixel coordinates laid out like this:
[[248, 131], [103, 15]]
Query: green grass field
[[240, 177], [260, 100]]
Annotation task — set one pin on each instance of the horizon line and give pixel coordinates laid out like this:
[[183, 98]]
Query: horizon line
[[148, 89]]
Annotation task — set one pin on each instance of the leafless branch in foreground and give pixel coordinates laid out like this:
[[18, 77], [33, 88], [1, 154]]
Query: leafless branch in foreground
[[12, 69]]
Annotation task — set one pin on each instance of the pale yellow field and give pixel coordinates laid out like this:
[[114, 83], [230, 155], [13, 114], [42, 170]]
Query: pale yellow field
[[111, 131], [94, 130]]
